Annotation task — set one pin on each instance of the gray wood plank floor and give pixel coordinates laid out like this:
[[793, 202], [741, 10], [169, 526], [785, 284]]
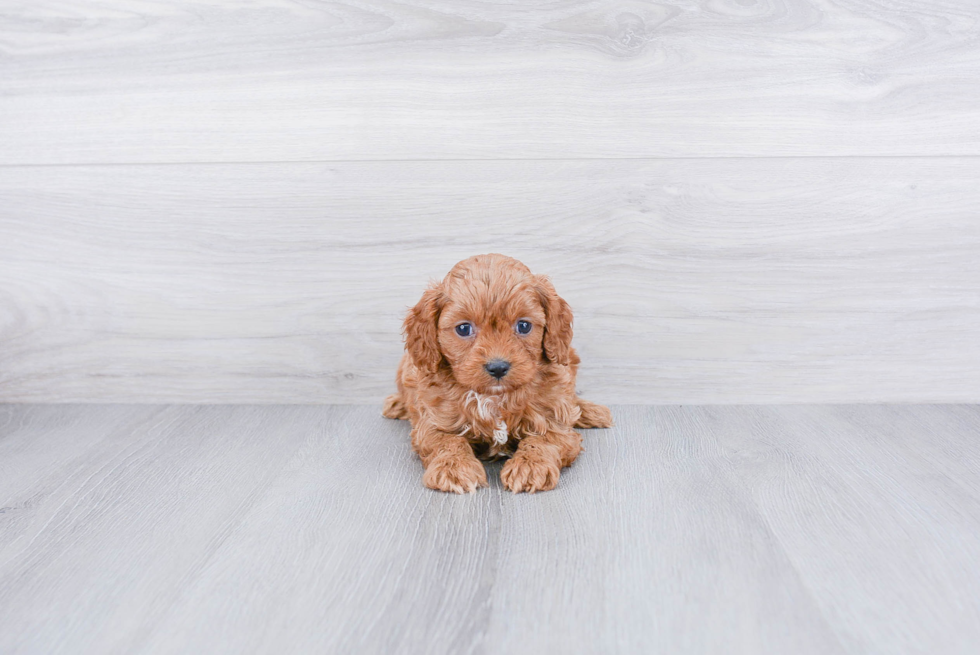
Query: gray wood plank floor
[[774, 529]]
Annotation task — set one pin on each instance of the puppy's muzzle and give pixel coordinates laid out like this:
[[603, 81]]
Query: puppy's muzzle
[[497, 367]]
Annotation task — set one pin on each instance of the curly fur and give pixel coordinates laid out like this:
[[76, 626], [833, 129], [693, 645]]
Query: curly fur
[[459, 412]]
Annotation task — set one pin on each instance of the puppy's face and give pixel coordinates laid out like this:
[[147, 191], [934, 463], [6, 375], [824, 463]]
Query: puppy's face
[[492, 337], [492, 322]]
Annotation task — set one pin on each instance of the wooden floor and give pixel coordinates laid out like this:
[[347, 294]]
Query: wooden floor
[[772, 529]]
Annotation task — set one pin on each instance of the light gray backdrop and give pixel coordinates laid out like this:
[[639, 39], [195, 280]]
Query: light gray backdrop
[[743, 200]]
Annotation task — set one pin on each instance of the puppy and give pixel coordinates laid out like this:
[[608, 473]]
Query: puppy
[[489, 372]]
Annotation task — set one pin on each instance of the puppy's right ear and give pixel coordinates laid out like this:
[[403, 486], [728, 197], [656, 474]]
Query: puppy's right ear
[[421, 330]]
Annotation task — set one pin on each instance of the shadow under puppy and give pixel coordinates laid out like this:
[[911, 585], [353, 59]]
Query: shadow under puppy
[[489, 372]]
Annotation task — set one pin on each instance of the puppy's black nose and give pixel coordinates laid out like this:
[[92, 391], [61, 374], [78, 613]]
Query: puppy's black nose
[[497, 367]]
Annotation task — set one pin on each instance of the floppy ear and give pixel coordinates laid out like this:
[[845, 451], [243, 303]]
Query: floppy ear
[[421, 330], [558, 323]]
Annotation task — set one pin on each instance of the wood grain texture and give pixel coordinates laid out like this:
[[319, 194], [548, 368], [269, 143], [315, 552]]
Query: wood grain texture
[[823, 529], [99, 82], [720, 281], [111, 511]]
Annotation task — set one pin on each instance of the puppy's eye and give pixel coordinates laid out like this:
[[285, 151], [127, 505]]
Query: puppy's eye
[[523, 327], [464, 330]]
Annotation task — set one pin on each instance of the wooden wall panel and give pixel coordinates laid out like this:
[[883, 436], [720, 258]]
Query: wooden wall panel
[[277, 80], [704, 280]]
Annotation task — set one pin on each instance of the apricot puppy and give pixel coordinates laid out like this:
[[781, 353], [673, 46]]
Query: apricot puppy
[[489, 372]]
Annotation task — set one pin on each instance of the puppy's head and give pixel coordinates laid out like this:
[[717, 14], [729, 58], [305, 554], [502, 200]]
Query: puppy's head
[[492, 323]]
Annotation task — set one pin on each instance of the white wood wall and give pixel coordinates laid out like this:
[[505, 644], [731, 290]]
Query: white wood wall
[[743, 200]]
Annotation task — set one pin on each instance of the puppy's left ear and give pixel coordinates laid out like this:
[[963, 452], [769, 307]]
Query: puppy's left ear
[[421, 330], [558, 323]]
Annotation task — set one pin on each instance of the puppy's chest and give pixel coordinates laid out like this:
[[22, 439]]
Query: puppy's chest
[[489, 422]]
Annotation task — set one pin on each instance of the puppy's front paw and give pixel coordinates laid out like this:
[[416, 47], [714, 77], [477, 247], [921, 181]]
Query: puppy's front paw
[[456, 473], [530, 472]]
